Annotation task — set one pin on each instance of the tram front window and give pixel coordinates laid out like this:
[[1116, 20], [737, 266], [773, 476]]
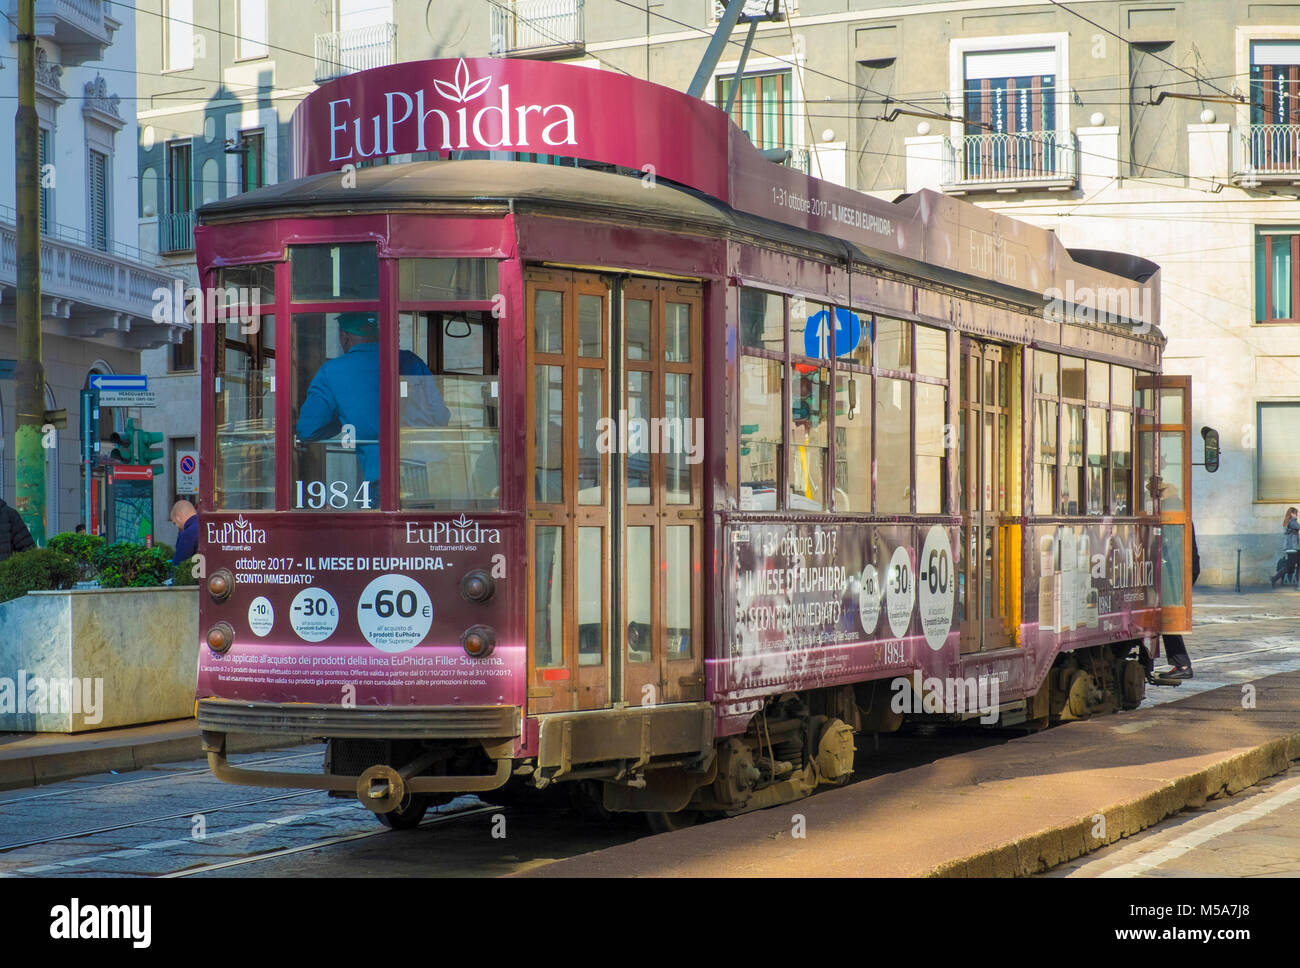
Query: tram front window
[[244, 458], [449, 452]]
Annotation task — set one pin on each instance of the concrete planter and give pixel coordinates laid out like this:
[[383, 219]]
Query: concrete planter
[[74, 661]]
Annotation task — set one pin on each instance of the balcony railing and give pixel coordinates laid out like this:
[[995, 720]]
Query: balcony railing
[[176, 232], [347, 51], [1267, 153], [538, 27], [1011, 160]]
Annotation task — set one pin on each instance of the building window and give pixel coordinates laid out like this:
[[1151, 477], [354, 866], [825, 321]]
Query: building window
[[178, 35], [180, 178], [46, 149], [1274, 82], [1010, 111], [1277, 274], [182, 360], [97, 179], [763, 108], [252, 28], [1278, 474], [252, 160]]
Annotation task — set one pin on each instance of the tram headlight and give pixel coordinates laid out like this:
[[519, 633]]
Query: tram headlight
[[221, 637], [478, 641], [477, 586], [220, 584]]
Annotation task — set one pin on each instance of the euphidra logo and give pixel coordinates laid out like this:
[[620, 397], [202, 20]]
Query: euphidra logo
[[496, 125], [76, 921], [237, 532], [462, 531]]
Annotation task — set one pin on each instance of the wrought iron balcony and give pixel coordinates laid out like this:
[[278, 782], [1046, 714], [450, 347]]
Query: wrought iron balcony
[[538, 28], [348, 51], [95, 293], [83, 29], [175, 232], [1266, 154], [1011, 161]]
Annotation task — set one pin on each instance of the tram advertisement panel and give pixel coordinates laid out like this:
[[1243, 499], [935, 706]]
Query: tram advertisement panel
[[819, 604], [1091, 581], [362, 613]]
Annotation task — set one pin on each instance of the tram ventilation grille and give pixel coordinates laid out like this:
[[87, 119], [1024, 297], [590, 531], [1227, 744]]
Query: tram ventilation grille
[[352, 757]]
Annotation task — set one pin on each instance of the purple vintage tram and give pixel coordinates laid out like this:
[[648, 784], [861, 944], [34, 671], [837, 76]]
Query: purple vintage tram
[[663, 471]]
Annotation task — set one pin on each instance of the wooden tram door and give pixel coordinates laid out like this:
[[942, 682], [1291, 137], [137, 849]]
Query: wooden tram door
[[1164, 462], [984, 436], [614, 523]]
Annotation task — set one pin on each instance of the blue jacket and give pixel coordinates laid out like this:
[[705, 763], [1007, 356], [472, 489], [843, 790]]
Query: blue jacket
[[345, 390], [187, 540]]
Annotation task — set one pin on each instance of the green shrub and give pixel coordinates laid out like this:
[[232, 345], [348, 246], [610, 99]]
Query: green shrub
[[124, 565], [80, 548], [36, 570], [184, 573]]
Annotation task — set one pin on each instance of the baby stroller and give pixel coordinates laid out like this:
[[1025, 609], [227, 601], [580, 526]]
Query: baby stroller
[[1290, 563]]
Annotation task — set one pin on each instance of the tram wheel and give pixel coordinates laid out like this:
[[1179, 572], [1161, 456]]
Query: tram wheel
[[408, 815], [661, 822]]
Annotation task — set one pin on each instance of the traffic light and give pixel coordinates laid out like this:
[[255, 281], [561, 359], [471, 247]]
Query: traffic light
[[145, 452], [126, 443]]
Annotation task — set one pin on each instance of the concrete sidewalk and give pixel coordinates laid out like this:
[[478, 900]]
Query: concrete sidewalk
[[30, 759]]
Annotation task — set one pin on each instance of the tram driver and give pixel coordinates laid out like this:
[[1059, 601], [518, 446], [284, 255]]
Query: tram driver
[[345, 391]]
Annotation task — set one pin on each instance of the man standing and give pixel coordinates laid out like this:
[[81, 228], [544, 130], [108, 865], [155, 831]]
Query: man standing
[[186, 520], [14, 535]]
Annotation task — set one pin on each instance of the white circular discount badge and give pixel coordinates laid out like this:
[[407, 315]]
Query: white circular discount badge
[[900, 592], [261, 615], [869, 599], [938, 585], [314, 614], [394, 613]]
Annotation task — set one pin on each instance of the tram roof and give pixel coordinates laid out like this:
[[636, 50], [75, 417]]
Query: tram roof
[[415, 186]]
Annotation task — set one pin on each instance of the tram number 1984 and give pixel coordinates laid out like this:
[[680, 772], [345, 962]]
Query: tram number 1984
[[315, 495]]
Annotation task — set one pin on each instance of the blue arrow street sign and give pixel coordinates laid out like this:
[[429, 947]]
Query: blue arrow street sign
[[119, 381]]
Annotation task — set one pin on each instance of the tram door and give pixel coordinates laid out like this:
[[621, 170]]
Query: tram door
[[984, 445], [1166, 471], [614, 522]]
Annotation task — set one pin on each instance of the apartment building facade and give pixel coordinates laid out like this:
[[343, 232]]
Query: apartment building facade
[[1166, 129], [97, 288]]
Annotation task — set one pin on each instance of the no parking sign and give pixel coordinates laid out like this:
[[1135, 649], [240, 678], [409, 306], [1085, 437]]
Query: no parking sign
[[187, 472]]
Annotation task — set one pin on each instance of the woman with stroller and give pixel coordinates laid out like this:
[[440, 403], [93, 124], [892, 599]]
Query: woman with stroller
[[1291, 528]]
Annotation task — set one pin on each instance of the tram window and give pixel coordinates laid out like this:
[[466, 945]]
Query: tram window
[[1147, 471], [852, 442], [258, 281], [893, 444], [1045, 373], [677, 452], [677, 332], [810, 329], [335, 463], [548, 600], [591, 390], [1098, 461], [1171, 405], [244, 457], [1072, 380], [637, 328], [448, 398], [347, 271], [1099, 382], [810, 387], [548, 433], [638, 461], [677, 593], [548, 321], [1045, 431], [859, 353], [1144, 396], [931, 352], [1121, 386], [1171, 471], [1072, 469], [589, 591], [893, 344], [446, 280], [931, 401], [640, 594], [591, 324], [1121, 462], [762, 323], [760, 432]]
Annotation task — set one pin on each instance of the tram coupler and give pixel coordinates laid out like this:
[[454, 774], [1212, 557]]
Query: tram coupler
[[381, 789]]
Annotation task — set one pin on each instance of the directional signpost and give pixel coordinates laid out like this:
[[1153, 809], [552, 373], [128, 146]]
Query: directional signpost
[[123, 390]]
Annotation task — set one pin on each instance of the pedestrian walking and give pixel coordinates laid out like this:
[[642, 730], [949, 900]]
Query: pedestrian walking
[[1291, 550], [14, 536]]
